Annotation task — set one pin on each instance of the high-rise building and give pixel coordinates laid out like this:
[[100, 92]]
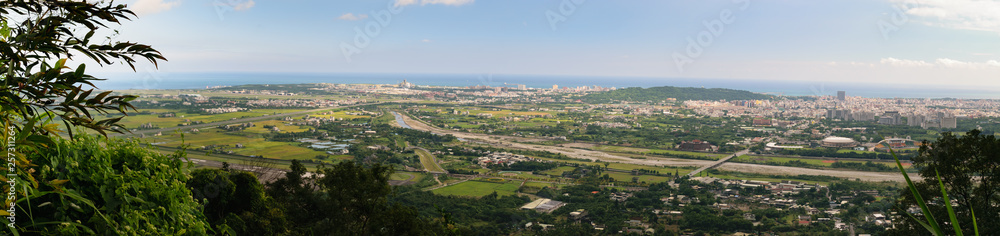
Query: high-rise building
[[841, 95], [522, 87], [889, 118], [915, 120], [949, 122], [555, 87], [863, 116]]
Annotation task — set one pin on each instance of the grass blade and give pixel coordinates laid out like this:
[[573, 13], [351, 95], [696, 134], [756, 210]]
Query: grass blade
[[947, 204], [934, 227], [975, 225]]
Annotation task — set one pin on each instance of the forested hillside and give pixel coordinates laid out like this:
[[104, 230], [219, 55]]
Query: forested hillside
[[679, 93]]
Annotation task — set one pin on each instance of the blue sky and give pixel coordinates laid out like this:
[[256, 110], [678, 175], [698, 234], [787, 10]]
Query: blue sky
[[926, 42]]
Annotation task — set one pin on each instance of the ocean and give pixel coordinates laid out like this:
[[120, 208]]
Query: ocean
[[162, 80]]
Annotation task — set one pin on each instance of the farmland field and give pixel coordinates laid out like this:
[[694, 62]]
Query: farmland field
[[134, 120], [253, 145], [427, 160], [476, 188], [642, 178]]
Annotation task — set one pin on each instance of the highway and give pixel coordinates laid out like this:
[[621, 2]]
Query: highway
[[719, 162], [521, 143]]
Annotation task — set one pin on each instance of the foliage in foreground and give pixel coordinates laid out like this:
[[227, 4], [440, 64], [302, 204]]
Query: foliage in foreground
[[93, 186], [963, 169]]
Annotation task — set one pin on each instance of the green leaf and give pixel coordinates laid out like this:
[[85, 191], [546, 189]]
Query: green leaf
[[947, 204], [80, 70], [975, 225], [933, 225], [60, 64]]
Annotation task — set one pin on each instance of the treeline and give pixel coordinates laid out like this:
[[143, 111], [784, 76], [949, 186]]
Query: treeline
[[120, 187], [657, 94], [867, 166], [416, 137], [489, 215], [525, 166]]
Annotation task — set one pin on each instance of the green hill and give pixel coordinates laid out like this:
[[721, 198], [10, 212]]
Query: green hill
[[680, 93]]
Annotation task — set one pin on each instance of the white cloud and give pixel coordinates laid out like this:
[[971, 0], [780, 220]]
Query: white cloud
[[426, 40], [352, 17], [243, 5], [145, 7], [960, 14], [902, 62], [405, 2], [442, 2], [940, 63]]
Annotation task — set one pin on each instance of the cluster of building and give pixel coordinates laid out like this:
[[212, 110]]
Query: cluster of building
[[501, 158], [262, 92], [220, 110], [930, 120], [852, 108], [697, 145], [302, 102], [237, 127], [935, 120], [618, 125], [543, 205]]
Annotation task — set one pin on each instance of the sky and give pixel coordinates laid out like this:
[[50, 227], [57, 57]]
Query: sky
[[947, 43]]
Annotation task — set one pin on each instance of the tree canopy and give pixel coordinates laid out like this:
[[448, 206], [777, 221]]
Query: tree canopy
[[969, 167], [657, 94], [38, 39]]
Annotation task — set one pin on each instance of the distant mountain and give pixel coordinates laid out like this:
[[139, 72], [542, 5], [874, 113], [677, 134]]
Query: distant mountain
[[680, 93]]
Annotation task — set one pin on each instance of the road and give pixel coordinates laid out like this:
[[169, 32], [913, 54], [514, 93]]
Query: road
[[718, 163], [514, 142], [236, 121]]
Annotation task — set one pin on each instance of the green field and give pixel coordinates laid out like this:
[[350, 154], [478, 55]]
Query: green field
[[403, 175], [427, 160], [337, 114], [283, 126], [475, 188], [134, 120], [625, 166], [254, 145], [235, 160], [540, 185], [558, 171], [642, 178]]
